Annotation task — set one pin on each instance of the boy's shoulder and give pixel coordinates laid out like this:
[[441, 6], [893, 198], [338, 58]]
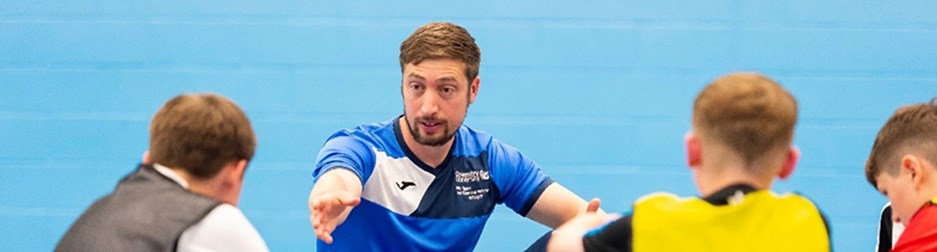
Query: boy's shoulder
[[926, 216], [921, 231]]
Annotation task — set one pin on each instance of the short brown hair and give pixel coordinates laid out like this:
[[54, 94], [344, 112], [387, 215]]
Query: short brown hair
[[200, 133], [911, 129], [442, 41], [749, 113]]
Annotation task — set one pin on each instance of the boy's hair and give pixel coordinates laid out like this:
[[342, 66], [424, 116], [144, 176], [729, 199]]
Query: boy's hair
[[200, 133], [442, 41], [911, 130], [749, 113]]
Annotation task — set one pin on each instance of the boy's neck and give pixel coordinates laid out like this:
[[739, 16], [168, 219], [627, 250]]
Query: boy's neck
[[717, 165], [724, 169], [928, 186], [928, 192], [713, 182], [212, 187]]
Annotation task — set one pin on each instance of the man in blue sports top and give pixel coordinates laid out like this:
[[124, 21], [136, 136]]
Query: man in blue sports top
[[423, 181]]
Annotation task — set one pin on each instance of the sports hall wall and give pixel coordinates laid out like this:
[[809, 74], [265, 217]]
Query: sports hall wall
[[598, 93]]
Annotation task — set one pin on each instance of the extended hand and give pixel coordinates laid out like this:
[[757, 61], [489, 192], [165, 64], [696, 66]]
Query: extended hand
[[593, 205], [328, 211]]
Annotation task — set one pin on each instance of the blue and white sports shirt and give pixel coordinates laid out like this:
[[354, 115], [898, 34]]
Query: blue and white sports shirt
[[408, 206]]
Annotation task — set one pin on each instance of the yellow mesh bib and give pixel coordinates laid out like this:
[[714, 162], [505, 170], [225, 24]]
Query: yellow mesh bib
[[757, 221]]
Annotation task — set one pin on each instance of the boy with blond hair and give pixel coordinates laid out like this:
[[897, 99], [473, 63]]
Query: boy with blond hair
[[742, 129]]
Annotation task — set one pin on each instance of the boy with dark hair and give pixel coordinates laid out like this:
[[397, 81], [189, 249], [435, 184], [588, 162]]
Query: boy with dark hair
[[903, 167], [184, 195]]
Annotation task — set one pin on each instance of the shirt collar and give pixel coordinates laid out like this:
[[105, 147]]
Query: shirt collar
[[169, 173], [727, 194]]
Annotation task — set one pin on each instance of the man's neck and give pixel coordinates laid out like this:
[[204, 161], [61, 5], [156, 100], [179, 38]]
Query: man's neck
[[429, 155]]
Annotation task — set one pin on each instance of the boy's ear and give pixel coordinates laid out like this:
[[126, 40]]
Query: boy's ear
[[790, 162], [912, 165], [146, 157], [232, 181], [237, 174], [694, 154]]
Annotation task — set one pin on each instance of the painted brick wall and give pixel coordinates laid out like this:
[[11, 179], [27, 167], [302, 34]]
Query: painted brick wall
[[598, 93]]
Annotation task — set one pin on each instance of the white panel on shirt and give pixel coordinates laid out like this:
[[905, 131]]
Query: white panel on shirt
[[387, 179], [225, 228], [896, 229]]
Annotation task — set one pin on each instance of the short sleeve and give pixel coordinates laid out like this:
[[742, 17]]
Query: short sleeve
[[519, 180], [345, 152], [225, 228]]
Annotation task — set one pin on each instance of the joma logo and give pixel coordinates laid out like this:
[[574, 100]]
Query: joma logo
[[404, 184]]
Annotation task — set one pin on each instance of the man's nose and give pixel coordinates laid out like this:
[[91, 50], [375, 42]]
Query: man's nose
[[430, 104]]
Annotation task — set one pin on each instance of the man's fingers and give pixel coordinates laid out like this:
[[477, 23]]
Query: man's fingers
[[595, 220], [324, 233], [339, 198], [347, 200], [593, 205], [326, 210], [352, 202], [324, 236], [316, 220], [317, 205], [312, 221]]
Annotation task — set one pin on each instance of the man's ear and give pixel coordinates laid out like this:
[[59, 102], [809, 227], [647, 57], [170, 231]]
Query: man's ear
[[790, 162], [473, 89], [694, 155], [146, 157]]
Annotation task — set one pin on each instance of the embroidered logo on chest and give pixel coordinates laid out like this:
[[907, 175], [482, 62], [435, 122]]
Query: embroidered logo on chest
[[472, 185]]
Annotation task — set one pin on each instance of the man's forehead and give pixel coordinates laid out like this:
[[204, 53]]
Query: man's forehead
[[424, 72], [453, 63]]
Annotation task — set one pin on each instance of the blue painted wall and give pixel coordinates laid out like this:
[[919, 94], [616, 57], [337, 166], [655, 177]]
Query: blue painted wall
[[598, 93]]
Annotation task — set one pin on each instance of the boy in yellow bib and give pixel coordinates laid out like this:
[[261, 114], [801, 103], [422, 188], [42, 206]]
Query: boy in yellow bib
[[743, 125]]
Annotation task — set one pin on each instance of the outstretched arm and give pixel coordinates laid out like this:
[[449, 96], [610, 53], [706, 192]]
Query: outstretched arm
[[557, 205], [568, 237], [331, 199]]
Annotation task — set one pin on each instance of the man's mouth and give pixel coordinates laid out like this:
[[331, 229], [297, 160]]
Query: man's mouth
[[430, 124]]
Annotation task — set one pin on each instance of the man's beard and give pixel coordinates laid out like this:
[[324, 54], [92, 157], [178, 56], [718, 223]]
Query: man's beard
[[425, 140]]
